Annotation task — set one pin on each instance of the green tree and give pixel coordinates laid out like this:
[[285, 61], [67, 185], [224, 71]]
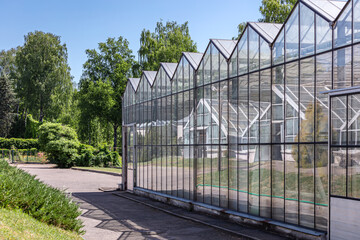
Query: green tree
[[7, 100], [43, 72], [104, 81], [272, 11], [165, 44]]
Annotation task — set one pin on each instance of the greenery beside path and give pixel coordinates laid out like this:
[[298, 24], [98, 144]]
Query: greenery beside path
[[15, 224], [102, 169], [20, 190]]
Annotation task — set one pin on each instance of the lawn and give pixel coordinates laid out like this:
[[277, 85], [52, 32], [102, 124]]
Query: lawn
[[103, 169], [14, 224]]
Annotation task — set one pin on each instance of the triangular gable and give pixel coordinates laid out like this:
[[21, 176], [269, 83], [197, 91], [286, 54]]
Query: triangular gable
[[328, 9], [169, 68], [194, 59], [134, 83], [268, 31], [150, 76], [225, 47]]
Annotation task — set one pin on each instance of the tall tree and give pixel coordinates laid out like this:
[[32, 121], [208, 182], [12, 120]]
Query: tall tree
[[104, 81], [7, 100], [272, 11], [165, 44], [43, 70]]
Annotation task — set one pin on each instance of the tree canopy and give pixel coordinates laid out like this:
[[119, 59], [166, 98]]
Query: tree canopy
[[104, 81], [166, 44], [42, 71]]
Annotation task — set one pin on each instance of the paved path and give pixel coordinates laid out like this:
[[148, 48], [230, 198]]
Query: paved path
[[108, 217]]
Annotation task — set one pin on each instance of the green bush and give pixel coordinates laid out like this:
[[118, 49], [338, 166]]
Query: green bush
[[60, 144], [20, 190], [89, 157], [19, 143]]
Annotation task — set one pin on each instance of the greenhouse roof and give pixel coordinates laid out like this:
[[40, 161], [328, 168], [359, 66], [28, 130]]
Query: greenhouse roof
[[169, 68], [193, 58], [329, 9], [134, 83], [268, 31], [225, 47], [150, 76]]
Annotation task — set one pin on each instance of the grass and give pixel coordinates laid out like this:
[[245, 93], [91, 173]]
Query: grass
[[15, 224], [20, 190], [103, 169]]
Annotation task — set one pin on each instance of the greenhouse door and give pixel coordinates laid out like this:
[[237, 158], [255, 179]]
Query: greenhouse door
[[344, 162], [129, 158]]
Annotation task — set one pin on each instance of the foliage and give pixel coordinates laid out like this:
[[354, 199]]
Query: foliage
[[307, 134], [272, 11], [44, 75], [20, 190], [15, 224], [18, 143], [60, 144], [166, 44], [7, 100], [89, 157], [103, 83]]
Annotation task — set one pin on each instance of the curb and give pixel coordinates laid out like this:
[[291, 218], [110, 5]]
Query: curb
[[97, 171]]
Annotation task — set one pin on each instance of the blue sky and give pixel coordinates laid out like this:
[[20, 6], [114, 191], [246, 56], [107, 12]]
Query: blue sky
[[83, 24]]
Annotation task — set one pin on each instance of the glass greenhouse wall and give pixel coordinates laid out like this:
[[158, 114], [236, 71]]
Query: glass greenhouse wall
[[244, 126]]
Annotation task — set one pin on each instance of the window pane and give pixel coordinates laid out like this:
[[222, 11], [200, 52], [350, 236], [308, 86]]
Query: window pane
[[265, 180], [278, 50], [353, 173], [233, 177], [342, 68], [215, 67], [254, 179], [278, 177], [292, 102], [243, 119], [253, 50], [291, 184], [233, 63], [307, 93], [243, 53], [338, 171], [254, 111], [323, 35], [292, 36], [353, 119], [321, 181], [265, 106], [243, 178], [338, 120], [265, 54], [278, 105], [343, 30], [356, 30], [307, 33]]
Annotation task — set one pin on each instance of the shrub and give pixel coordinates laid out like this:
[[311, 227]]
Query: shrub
[[20, 190], [19, 143], [60, 144]]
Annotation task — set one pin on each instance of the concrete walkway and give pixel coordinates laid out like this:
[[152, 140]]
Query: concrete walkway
[[107, 216]]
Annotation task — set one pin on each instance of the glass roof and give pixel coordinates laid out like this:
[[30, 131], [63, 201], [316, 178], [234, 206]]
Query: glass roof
[[328, 9], [134, 83], [169, 68], [150, 76], [268, 31], [225, 47], [193, 58]]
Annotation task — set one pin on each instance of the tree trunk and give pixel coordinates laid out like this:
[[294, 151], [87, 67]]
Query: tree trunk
[[115, 135]]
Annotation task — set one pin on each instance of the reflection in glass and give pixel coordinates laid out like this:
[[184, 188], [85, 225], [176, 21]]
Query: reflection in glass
[[292, 36], [343, 30], [307, 31]]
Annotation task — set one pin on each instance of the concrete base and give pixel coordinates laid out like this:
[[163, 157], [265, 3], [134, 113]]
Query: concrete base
[[283, 229]]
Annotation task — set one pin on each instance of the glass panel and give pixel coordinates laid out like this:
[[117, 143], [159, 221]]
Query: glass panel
[[278, 50], [224, 173], [292, 102], [223, 67], [215, 175], [233, 177], [353, 173], [200, 179], [323, 83], [208, 173], [215, 116], [342, 68], [265, 54], [292, 36], [233, 63], [186, 74], [338, 171], [307, 93], [306, 157], [265, 106], [224, 110], [207, 67], [278, 105], [291, 184], [254, 191], [343, 30], [307, 33], [253, 50], [254, 111], [356, 65], [321, 186], [243, 53], [243, 113], [215, 64], [353, 119], [356, 12], [338, 120], [323, 35], [278, 177], [265, 180], [233, 110], [243, 178]]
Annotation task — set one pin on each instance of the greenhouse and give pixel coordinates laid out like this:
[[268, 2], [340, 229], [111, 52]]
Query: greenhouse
[[245, 126]]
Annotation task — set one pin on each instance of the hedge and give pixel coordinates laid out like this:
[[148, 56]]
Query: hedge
[[19, 143]]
